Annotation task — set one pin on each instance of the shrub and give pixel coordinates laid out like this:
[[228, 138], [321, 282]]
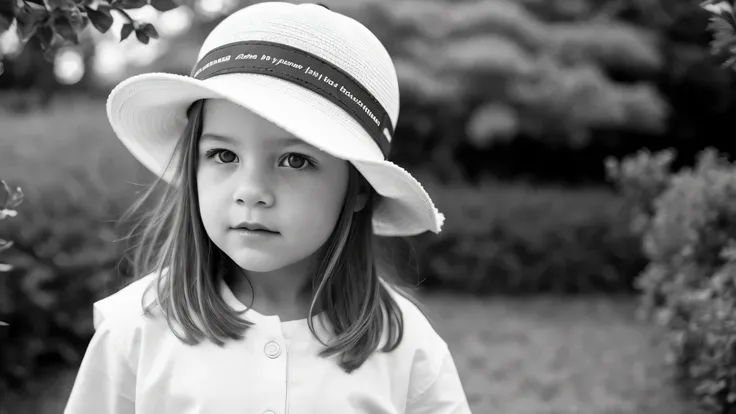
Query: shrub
[[517, 238], [9, 199], [63, 254], [688, 223]]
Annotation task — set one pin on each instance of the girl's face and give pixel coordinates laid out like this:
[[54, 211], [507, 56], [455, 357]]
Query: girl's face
[[253, 173]]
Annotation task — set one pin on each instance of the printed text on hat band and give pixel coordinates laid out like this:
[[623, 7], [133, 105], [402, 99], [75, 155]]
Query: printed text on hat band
[[314, 73]]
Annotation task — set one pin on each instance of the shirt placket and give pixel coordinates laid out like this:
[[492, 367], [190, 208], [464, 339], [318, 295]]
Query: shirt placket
[[274, 365]]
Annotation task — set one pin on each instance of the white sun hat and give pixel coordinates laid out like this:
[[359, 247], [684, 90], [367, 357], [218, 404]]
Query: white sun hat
[[318, 74]]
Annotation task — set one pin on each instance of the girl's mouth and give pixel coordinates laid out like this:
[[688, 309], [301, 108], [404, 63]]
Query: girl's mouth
[[255, 233], [253, 229], [256, 228]]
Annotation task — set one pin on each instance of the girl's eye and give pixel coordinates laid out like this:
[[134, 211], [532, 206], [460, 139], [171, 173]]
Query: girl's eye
[[223, 156], [296, 161]]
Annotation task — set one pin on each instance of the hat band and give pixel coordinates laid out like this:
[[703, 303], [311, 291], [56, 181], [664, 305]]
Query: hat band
[[306, 70]]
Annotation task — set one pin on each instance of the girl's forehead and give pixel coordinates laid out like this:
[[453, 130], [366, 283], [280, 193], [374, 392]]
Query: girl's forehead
[[228, 122]]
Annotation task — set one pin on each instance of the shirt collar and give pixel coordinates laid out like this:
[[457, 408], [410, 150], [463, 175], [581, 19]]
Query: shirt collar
[[294, 327]]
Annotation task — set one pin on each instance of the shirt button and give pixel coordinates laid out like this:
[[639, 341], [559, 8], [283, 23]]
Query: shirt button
[[272, 350], [269, 412]]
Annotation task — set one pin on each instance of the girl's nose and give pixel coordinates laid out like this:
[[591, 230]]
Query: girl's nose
[[253, 188]]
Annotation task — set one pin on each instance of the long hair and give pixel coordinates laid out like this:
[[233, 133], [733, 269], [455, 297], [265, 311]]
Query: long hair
[[352, 289]]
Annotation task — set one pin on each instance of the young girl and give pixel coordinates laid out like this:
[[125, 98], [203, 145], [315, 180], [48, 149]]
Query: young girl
[[260, 290]]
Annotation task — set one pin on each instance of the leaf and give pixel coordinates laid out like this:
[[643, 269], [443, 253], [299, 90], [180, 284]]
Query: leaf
[[16, 198], [131, 4], [66, 5], [26, 30], [126, 30], [76, 18], [149, 30], [27, 17], [164, 5], [36, 5], [720, 7], [5, 245], [64, 28], [729, 18], [45, 35], [730, 63], [11, 198], [101, 18], [5, 22], [50, 54], [142, 37], [26, 13]]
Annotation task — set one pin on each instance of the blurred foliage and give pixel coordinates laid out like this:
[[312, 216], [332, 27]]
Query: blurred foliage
[[486, 83], [547, 89], [506, 65], [519, 239], [66, 254], [688, 223], [56, 22], [723, 27], [10, 199]]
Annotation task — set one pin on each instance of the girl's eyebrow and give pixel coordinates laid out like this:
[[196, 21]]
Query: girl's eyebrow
[[285, 142], [215, 137], [292, 141]]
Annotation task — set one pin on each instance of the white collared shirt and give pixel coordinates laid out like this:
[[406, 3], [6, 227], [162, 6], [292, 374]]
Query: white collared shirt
[[135, 364]]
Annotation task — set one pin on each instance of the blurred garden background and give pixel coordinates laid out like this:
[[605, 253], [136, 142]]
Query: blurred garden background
[[580, 149]]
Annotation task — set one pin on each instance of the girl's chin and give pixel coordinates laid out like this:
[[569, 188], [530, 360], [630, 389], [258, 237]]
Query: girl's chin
[[260, 262]]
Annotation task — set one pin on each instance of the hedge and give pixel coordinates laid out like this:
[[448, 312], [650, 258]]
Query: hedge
[[688, 223], [516, 238]]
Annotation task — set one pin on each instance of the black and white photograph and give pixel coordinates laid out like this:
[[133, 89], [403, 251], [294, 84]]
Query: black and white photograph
[[367, 207]]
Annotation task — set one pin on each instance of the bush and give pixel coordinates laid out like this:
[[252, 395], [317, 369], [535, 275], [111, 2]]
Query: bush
[[688, 224], [523, 239], [63, 255]]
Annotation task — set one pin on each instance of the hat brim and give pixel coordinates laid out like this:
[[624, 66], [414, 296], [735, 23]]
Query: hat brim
[[148, 114]]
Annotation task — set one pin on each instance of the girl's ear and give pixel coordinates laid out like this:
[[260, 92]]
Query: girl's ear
[[361, 199]]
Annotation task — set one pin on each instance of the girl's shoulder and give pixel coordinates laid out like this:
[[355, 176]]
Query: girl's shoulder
[[125, 307], [417, 320], [433, 377]]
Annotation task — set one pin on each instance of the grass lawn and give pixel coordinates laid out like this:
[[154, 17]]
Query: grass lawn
[[549, 356], [526, 356]]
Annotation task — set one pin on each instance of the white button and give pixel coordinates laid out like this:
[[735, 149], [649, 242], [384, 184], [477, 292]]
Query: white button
[[269, 412], [272, 350]]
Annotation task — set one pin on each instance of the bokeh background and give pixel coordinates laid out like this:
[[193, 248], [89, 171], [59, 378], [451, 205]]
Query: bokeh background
[[579, 149]]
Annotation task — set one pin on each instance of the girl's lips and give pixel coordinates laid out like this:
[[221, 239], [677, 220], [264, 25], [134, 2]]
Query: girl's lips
[[253, 226], [256, 233]]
